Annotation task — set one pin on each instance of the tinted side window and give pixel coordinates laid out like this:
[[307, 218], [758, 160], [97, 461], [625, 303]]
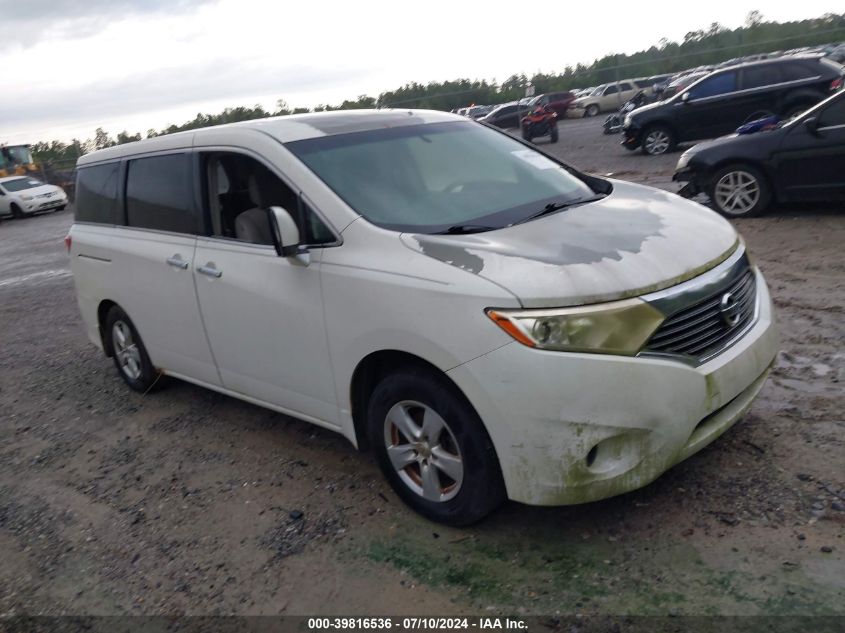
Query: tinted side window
[[760, 76], [624, 87], [714, 86], [610, 90], [834, 114], [796, 72], [158, 194], [96, 193]]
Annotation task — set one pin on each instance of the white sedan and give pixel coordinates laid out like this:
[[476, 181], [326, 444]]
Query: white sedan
[[25, 195]]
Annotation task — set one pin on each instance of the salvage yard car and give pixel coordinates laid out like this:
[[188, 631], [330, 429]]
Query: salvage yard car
[[25, 195], [725, 99], [607, 97], [489, 322], [802, 160]]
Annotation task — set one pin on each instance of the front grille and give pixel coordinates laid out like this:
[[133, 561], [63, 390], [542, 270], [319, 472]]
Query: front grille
[[708, 326]]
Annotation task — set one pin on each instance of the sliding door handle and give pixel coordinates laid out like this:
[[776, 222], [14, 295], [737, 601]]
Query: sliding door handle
[[210, 270]]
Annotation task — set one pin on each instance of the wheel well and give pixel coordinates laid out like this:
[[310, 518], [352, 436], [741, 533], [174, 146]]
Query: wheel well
[[367, 375], [102, 313]]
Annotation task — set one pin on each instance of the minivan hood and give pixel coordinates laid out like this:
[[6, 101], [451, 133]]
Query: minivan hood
[[635, 241]]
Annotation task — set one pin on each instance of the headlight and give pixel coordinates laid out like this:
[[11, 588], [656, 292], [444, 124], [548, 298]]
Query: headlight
[[683, 161], [619, 327], [25, 197]]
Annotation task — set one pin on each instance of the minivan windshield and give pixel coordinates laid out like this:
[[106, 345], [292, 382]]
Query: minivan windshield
[[435, 177]]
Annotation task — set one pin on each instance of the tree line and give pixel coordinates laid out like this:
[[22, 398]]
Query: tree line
[[707, 46]]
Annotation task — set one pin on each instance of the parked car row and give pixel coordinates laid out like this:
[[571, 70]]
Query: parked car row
[[727, 98], [802, 159]]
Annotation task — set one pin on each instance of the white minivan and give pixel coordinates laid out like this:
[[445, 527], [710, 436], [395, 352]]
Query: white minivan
[[488, 321]]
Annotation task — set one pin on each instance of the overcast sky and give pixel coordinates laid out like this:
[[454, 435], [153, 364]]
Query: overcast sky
[[70, 66]]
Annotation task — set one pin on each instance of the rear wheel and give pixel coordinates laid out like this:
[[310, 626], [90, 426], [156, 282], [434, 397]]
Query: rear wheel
[[739, 191], [553, 134], [658, 140], [433, 449], [128, 351]]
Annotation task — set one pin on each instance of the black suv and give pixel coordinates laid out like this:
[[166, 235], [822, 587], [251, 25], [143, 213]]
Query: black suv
[[725, 99]]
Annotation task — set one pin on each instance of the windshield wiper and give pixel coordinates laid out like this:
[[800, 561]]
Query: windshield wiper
[[464, 229], [557, 206]]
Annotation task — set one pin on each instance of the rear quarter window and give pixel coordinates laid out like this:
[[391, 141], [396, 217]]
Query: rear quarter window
[[797, 71], [96, 193], [158, 194], [760, 76]]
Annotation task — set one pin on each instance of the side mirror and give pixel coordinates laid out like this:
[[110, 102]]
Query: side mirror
[[685, 97], [285, 232], [812, 125]]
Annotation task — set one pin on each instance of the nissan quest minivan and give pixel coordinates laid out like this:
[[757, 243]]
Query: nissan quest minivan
[[488, 321]]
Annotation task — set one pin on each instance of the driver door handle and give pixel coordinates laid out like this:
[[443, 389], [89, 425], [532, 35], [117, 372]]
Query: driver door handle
[[210, 270], [178, 262]]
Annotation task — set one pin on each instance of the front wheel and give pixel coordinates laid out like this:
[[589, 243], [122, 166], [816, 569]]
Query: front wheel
[[592, 110], [128, 351], [739, 191], [433, 449], [16, 211], [658, 140]]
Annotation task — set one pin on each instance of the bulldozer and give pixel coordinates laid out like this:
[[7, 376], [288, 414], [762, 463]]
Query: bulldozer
[[16, 160]]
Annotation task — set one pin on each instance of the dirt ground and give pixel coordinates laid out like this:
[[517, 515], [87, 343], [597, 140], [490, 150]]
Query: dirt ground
[[186, 501]]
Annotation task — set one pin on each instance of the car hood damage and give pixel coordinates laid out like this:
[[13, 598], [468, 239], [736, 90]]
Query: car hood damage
[[635, 241]]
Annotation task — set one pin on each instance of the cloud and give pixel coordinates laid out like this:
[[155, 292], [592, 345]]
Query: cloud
[[151, 91], [26, 22]]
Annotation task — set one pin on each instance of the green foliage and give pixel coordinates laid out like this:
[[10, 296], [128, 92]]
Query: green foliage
[[701, 47]]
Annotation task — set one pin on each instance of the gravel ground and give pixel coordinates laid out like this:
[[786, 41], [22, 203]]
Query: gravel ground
[[186, 501]]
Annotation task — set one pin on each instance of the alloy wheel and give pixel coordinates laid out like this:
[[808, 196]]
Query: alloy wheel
[[423, 451], [737, 192], [656, 142], [126, 350]]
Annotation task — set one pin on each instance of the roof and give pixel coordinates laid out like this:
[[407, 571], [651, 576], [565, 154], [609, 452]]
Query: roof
[[285, 129]]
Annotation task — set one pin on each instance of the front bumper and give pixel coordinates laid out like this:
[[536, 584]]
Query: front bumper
[[571, 428], [630, 138], [694, 184]]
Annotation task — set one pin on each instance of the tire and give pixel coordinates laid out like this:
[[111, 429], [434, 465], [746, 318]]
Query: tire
[[16, 211], [658, 140], [592, 110], [731, 178], [61, 208], [422, 403], [553, 135], [129, 354]]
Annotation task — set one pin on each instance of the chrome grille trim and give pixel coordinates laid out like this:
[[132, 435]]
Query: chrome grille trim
[[697, 325]]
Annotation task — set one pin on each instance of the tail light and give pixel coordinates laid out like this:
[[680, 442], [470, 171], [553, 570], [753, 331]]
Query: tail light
[[836, 84], [68, 242]]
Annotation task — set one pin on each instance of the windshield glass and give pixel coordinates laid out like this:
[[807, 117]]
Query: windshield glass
[[19, 184], [428, 178]]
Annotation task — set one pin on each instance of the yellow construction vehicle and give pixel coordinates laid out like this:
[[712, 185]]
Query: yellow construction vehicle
[[16, 160]]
